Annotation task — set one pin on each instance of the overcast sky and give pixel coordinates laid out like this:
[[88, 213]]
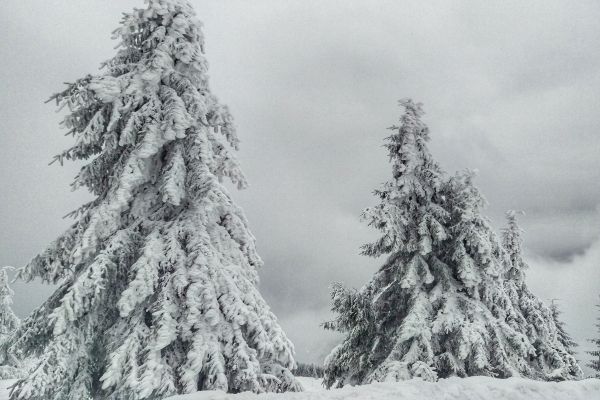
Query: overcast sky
[[510, 88]]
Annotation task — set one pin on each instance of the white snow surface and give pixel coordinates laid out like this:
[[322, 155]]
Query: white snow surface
[[4, 385], [474, 388]]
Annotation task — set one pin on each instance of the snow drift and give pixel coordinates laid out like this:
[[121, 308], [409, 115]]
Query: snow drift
[[474, 388]]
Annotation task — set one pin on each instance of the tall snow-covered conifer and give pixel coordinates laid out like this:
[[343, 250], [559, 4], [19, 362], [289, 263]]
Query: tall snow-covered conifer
[[594, 363], [437, 307], [157, 277], [554, 348]]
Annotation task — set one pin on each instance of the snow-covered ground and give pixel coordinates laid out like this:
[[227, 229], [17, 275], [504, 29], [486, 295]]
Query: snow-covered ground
[[476, 388], [4, 385]]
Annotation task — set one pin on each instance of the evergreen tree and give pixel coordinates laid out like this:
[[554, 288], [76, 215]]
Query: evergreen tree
[[594, 363], [9, 322], [390, 313], [554, 348], [433, 308], [158, 275], [438, 306]]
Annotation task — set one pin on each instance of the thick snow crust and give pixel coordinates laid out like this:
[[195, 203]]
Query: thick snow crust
[[475, 388]]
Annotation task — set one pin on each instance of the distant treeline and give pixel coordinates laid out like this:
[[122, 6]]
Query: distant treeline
[[311, 370]]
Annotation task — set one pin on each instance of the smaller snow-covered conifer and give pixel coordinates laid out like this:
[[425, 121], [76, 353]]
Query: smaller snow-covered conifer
[[436, 307], [450, 298]]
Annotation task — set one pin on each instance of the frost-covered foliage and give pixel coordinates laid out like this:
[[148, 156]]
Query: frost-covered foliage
[[594, 363], [9, 322], [158, 274], [438, 306]]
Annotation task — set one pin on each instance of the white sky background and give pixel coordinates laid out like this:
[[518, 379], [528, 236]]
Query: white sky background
[[510, 89]]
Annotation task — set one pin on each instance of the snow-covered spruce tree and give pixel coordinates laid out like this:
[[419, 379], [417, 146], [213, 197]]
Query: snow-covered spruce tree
[[436, 307], [594, 363], [412, 222], [9, 322], [158, 274], [554, 348]]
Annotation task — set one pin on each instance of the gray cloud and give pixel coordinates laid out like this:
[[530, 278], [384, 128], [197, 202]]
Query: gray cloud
[[509, 88]]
